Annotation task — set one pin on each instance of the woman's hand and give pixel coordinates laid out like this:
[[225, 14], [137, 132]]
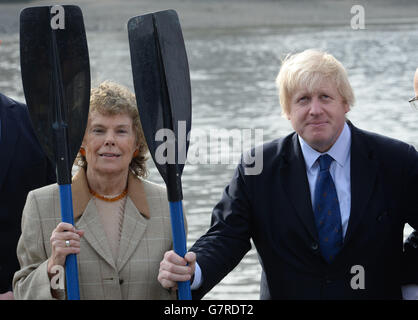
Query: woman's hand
[[65, 240]]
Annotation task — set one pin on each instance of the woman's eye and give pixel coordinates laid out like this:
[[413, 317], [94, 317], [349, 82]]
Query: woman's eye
[[97, 130]]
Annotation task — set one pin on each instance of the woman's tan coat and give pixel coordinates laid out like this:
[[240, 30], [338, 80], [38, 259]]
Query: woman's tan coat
[[146, 236]]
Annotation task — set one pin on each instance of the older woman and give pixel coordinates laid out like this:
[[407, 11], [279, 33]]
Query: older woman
[[122, 224]]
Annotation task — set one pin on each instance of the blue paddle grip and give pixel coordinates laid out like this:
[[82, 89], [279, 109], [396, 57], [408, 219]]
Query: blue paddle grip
[[179, 243], [73, 292]]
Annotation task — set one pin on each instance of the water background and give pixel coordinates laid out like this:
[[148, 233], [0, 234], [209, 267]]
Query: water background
[[232, 78]]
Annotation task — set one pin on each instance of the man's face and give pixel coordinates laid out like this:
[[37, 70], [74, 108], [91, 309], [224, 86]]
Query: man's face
[[318, 116]]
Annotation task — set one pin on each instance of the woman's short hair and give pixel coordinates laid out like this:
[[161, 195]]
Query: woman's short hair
[[308, 69], [109, 99]]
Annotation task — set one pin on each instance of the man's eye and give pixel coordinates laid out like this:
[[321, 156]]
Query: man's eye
[[97, 130]]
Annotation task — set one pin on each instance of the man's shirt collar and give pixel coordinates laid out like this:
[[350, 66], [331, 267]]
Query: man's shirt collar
[[339, 151]]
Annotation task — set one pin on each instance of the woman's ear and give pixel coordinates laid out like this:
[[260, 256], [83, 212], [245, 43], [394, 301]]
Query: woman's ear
[[83, 146]]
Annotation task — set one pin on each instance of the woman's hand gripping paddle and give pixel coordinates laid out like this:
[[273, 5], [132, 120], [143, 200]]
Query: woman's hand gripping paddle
[[162, 87], [56, 82]]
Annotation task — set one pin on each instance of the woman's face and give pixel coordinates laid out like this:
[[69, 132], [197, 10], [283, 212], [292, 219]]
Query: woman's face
[[109, 143]]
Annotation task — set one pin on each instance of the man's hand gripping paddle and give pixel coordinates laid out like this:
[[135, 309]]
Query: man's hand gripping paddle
[[162, 87]]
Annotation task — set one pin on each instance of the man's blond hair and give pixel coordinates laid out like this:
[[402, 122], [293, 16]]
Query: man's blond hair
[[308, 69]]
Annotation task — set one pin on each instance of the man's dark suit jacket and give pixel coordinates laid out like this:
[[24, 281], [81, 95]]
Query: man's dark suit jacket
[[23, 167], [274, 209]]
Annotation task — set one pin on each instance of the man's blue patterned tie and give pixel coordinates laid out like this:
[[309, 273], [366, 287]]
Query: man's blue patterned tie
[[327, 211]]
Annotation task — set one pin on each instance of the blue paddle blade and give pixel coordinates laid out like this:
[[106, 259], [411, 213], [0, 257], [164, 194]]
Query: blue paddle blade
[[162, 87]]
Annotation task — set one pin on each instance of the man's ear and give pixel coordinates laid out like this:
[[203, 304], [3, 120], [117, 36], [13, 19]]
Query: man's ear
[[346, 107]]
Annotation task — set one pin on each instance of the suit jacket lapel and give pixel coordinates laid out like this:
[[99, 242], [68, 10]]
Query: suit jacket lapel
[[9, 135], [363, 175], [295, 182]]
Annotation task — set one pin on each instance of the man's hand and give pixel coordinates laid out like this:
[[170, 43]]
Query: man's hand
[[174, 268]]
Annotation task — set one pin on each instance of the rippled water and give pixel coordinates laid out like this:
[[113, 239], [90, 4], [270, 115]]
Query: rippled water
[[232, 74]]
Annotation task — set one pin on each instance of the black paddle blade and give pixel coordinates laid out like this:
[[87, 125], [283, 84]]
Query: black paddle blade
[[56, 78], [162, 87]]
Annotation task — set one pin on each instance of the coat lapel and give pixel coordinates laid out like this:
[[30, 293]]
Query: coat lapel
[[295, 182], [363, 175], [94, 232], [87, 218], [135, 220], [133, 228], [9, 135]]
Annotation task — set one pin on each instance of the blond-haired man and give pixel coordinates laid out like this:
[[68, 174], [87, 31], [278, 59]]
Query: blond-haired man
[[327, 212]]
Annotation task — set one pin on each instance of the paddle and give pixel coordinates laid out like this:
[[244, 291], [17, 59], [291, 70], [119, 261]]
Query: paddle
[[56, 82], [162, 87]]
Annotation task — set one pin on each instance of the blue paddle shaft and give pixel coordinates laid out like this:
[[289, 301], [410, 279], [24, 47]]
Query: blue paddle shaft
[[179, 243], [73, 292]]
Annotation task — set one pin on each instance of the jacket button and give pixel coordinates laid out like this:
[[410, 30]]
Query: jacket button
[[120, 281], [314, 246]]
